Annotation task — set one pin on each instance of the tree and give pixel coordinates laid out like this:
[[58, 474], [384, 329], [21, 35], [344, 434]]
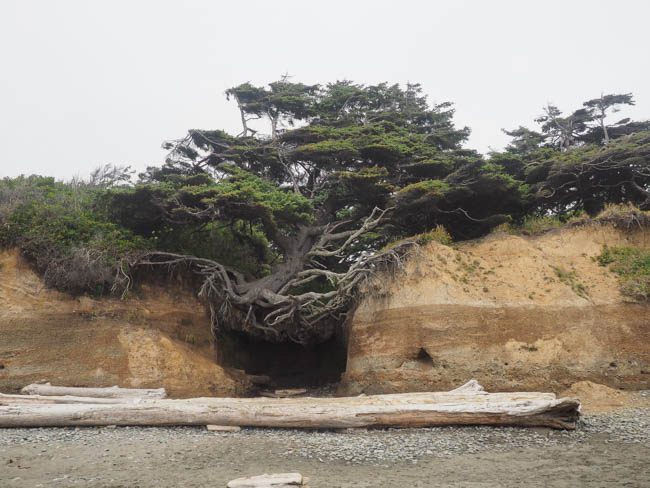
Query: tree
[[562, 132], [524, 141], [586, 125], [600, 106], [580, 162], [334, 181], [587, 178]]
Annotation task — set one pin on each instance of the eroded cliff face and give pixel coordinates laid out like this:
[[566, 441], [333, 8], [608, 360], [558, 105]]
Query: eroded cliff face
[[157, 337], [515, 313]]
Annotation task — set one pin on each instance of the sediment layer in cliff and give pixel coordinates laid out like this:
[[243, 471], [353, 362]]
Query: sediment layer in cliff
[[514, 312], [159, 336]]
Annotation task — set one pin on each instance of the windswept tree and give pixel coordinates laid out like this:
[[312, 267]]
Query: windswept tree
[[581, 162], [586, 125], [587, 178], [343, 170], [600, 107], [524, 141], [560, 131]]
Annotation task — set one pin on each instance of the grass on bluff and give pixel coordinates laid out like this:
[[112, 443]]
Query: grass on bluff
[[533, 225], [570, 278], [622, 215], [438, 234], [632, 265]]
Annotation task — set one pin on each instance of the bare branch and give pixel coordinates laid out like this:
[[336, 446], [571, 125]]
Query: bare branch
[[321, 248]]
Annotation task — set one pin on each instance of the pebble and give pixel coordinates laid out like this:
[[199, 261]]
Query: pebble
[[360, 446]]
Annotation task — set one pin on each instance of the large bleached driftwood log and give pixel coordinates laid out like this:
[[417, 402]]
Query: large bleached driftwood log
[[466, 407], [46, 389]]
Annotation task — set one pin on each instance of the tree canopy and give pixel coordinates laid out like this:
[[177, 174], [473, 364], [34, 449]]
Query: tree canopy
[[323, 186], [343, 170], [581, 162]]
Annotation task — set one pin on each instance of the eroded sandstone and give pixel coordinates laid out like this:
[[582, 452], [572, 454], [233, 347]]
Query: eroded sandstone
[[157, 337], [516, 313]]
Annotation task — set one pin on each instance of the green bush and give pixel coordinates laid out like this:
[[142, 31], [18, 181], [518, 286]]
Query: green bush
[[60, 227], [532, 225], [632, 265], [439, 234]]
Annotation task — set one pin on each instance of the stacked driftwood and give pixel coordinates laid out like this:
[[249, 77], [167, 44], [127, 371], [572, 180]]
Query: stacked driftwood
[[47, 405]]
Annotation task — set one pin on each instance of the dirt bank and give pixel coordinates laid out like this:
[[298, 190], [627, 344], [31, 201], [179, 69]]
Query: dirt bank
[[158, 337], [516, 313]]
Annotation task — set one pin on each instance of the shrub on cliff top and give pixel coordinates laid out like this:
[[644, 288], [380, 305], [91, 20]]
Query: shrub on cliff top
[[625, 215], [62, 229]]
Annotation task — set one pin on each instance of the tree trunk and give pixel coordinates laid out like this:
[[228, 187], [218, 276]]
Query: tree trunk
[[400, 410], [605, 133], [47, 389], [243, 116]]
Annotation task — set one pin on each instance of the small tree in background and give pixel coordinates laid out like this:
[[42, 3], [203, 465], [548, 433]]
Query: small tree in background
[[599, 108], [580, 162]]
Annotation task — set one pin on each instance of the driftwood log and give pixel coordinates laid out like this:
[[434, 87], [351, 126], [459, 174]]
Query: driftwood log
[[46, 389], [44, 399], [468, 405], [273, 480]]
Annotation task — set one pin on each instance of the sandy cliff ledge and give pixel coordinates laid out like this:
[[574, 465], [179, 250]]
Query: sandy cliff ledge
[[516, 313], [158, 337]]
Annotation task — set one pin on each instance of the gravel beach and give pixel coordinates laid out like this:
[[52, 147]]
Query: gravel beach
[[609, 449]]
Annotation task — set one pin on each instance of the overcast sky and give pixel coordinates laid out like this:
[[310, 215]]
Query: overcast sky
[[85, 82]]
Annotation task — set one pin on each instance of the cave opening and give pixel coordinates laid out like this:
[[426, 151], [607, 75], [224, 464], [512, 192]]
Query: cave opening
[[424, 358], [287, 364]]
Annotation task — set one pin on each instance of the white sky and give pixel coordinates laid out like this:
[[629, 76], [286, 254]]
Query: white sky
[[88, 82]]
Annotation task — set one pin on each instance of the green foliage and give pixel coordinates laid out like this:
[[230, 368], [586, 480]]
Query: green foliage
[[532, 225], [439, 234], [583, 178], [245, 196], [632, 265], [62, 229], [346, 148], [262, 203], [581, 161], [586, 125], [428, 188], [589, 177], [627, 213]]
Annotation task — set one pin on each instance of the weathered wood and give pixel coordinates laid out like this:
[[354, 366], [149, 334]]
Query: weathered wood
[[398, 410], [6, 399], [274, 480], [46, 389], [470, 386], [223, 428], [283, 393], [291, 392]]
